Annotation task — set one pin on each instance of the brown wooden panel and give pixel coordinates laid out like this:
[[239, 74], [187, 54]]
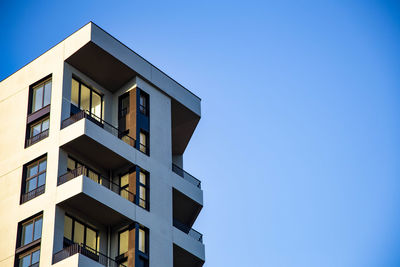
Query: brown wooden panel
[[131, 248], [132, 185], [131, 116]]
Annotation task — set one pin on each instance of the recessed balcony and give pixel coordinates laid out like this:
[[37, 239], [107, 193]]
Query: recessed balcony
[[86, 251], [86, 136]]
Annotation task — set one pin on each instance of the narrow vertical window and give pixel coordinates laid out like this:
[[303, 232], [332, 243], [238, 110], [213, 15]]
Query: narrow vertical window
[[143, 190], [143, 138], [144, 103], [34, 180], [124, 186]]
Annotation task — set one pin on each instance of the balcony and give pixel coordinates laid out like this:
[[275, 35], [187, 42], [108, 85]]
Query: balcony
[[101, 123], [86, 136], [184, 208], [32, 194], [189, 231], [107, 183], [86, 251], [187, 176]]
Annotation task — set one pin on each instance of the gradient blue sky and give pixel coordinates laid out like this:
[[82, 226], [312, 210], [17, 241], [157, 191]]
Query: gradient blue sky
[[298, 145]]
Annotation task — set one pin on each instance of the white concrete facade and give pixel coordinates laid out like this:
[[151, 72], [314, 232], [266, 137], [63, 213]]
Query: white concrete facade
[[96, 205]]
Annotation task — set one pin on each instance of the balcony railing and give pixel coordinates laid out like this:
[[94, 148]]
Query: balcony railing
[[107, 183], [185, 175], [101, 123], [32, 194], [36, 138], [187, 230], [86, 251]]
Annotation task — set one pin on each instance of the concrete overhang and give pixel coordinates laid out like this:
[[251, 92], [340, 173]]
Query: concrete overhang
[[77, 260], [185, 209], [194, 253], [91, 142], [101, 204], [110, 63]]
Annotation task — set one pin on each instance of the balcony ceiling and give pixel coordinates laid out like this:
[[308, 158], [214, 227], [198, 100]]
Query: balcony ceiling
[[184, 123], [183, 258], [185, 209], [101, 67]]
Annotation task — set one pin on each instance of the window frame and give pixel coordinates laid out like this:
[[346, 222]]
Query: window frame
[[80, 83], [144, 108], [147, 145], [37, 163], [36, 85], [85, 226], [32, 125], [38, 190], [29, 252], [146, 188]]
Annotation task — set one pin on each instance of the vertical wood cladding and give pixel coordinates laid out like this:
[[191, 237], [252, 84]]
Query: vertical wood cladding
[[131, 117], [132, 185], [131, 247]]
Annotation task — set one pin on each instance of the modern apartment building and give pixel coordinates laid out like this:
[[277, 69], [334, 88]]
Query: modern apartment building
[[91, 160]]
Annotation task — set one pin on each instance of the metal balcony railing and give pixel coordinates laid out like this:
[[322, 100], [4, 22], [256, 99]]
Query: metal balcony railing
[[185, 175], [107, 183], [36, 138], [187, 230], [101, 123], [32, 194], [86, 251]]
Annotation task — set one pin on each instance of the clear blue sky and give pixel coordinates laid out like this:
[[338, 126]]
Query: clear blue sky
[[298, 145]]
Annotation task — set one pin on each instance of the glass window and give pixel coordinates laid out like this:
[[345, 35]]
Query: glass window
[[68, 228], [36, 129], [143, 103], [143, 142], [75, 92], [71, 164], [41, 95], [78, 233], [91, 238], [96, 104], [142, 178], [85, 98], [25, 261], [35, 256], [42, 165], [47, 94], [94, 176], [82, 234], [37, 229], [142, 240], [29, 259], [45, 125], [124, 180], [31, 231], [37, 101], [39, 127], [35, 175], [27, 233], [142, 200], [123, 242]]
